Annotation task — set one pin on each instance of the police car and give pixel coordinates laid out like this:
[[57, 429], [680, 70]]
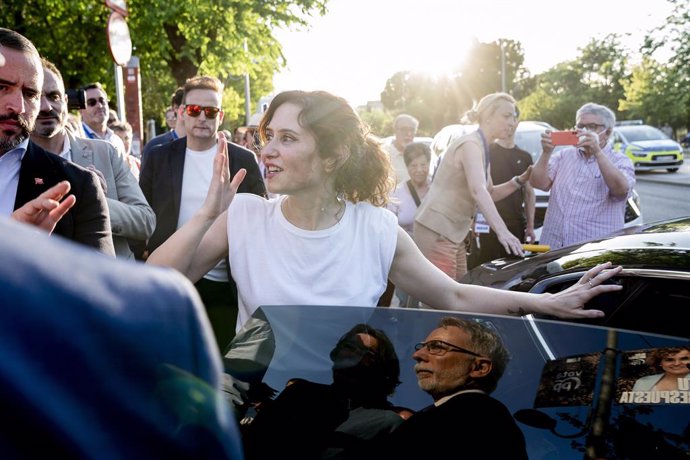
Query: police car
[[648, 147]]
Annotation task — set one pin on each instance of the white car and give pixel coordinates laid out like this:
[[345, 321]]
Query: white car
[[528, 137]]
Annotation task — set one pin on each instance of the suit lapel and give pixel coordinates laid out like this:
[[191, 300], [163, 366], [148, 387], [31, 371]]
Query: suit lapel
[[177, 172], [36, 175], [81, 154]]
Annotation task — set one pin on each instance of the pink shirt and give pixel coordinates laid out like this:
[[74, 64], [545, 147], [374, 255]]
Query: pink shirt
[[580, 205]]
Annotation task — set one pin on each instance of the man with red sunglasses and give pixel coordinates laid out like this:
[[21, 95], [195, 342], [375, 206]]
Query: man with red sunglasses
[[175, 178]]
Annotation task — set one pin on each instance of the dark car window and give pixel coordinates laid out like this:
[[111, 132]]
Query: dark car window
[[648, 304], [305, 335]]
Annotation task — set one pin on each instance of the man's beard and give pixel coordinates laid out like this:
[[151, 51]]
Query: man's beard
[[6, 141]]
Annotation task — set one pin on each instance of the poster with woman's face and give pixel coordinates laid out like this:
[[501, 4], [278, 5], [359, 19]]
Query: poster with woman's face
[[655, 376]]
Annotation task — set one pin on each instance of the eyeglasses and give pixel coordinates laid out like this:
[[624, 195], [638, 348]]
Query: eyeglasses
[[440, 348], [406, 130], [589, 126], [194, 111], [92, 101]]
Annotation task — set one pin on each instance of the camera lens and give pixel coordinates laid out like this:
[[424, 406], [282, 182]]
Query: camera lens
[[76, 99]]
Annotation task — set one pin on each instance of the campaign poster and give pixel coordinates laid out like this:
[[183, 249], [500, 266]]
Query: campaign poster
[[568, 381], [654, 376]]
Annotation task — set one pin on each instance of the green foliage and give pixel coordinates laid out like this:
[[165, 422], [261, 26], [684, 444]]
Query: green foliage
[[673, 36], [437, 101], [597, 75], [174, 41], [380, 122], [654, 95], [177, 40]]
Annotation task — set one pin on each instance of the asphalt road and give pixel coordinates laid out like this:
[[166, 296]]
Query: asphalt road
[[664, 195]]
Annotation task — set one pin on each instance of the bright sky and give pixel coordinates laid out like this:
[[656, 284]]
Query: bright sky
[[359, 44]]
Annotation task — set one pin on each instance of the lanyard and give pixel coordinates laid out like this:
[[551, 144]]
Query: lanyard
[[486, 152]]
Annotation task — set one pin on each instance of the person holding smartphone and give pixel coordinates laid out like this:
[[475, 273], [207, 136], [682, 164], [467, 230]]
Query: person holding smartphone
[[589, 181]]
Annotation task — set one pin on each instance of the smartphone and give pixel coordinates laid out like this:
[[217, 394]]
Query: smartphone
[[564, 138]]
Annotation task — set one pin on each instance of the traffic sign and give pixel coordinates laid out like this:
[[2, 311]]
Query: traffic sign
[[119, 6], [119, 41]]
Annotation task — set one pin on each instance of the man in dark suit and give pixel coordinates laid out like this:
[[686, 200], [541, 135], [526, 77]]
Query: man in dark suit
[[106, 360], [175, 178], [459, 365], [26, 170]]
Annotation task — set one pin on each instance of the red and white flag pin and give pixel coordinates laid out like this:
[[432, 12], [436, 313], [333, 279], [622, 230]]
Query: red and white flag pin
[[38, 181]]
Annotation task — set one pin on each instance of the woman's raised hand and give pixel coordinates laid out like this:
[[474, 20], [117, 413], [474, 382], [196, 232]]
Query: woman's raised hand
[[222, 189]]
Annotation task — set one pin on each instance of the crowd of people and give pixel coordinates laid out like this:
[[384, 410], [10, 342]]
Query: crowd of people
[[201, 206]]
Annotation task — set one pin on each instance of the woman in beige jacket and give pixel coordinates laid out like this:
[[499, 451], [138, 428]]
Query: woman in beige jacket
[[462, 184]]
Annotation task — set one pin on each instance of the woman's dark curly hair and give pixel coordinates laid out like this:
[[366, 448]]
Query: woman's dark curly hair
[[366, 174]]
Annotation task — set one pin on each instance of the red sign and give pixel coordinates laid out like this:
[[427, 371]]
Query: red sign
[[119, 6]]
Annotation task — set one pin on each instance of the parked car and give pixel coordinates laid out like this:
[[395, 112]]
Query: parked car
[[656, 275], [648, 147], [447, 135], [557, 374], [528, 138]]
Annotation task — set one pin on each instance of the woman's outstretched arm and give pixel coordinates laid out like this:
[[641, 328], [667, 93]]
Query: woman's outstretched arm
[[418, 277]]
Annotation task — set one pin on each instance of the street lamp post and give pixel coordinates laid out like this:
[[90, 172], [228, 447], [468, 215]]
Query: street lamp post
[[247, 95]]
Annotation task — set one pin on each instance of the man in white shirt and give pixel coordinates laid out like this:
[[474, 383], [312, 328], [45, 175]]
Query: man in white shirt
[[175, 178], [405, 127]]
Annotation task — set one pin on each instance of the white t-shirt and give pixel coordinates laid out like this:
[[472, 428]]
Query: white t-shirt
[[196, 178], [275, 263]]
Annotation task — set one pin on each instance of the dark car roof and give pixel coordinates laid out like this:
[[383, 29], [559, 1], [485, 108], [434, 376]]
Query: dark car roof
[[661, 245]]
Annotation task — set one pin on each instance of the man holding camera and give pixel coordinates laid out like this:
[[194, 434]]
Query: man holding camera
[[131, 217], [589, 182], [26, 170]]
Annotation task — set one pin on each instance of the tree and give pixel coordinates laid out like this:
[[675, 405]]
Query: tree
[[174, 41], [597, 75], [481, 71], [674, 36], [652, 94], [380, 122], [559, 93], [437, 101]]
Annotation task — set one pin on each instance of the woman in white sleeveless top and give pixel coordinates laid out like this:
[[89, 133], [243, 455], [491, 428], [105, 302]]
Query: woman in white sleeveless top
[[328, 239]]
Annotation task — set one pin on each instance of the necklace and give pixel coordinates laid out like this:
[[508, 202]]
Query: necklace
[[313, 224]]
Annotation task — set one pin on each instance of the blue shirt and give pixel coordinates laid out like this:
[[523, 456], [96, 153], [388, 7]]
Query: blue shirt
[[10, 164]]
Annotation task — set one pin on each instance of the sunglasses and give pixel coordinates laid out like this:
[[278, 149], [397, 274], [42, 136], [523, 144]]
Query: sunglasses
[[194, 111], [92, 102]]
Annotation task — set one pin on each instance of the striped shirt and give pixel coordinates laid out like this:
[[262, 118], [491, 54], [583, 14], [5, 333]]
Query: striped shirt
[[580, 204]]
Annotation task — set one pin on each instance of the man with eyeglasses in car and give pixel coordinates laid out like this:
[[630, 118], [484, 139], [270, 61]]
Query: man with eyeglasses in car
[[459, 366], [175, 178], [589, 182], [95, 116]]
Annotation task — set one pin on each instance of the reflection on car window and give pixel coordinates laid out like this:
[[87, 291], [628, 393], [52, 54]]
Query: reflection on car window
[[305, 336]]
